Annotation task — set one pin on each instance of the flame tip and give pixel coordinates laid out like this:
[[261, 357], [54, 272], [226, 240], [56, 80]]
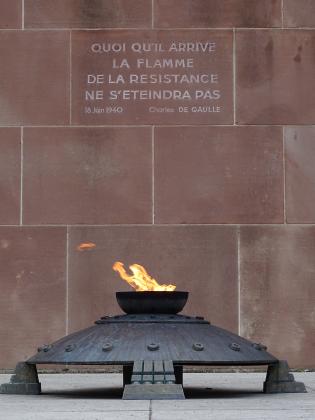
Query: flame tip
[[140, 278]]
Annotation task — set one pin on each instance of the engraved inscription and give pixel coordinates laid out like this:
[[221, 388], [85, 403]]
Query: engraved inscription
[[164, 78]]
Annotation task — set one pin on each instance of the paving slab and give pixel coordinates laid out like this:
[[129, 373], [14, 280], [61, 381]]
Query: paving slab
[[75, 415], [238, 391], [232, 415], [74, 393]]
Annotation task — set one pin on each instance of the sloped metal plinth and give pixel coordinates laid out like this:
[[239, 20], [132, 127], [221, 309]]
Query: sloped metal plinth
[[123, 339], [153, 349]]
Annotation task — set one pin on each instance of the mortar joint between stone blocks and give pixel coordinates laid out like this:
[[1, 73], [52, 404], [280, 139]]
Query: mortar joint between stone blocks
[[70, 78], [234, 76], [153, 175], [21, 174], [284, 176], [23, 15], [238, 236], [67, 283]]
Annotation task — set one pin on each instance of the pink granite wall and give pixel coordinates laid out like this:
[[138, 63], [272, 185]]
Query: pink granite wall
[[220, 202]]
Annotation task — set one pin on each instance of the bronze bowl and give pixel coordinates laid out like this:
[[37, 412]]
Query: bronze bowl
[[152, 302]]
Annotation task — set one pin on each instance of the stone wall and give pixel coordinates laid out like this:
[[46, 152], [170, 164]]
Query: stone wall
[[214, 193]]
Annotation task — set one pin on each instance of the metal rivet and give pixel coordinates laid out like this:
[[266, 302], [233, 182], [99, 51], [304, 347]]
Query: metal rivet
[[235, 347], [107, 347], [153, 346], [259, 346], [44, 347], [198, 346], [70, 347]]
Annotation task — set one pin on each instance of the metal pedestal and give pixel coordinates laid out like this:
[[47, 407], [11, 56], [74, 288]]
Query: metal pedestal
[[23, 381], [279, 380], [154, 380]]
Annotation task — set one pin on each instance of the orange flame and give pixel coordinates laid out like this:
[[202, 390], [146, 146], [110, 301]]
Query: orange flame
[[86, 246], [140, 279]]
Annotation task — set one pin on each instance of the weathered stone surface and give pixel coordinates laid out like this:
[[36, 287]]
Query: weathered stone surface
[[35, 68], [10, 171], [33, 290], [218, 175], [275, 78], [277, 290], [87, 175], [88, 13], [217, 13], [299, 13], [11, 14], [300, 174]]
